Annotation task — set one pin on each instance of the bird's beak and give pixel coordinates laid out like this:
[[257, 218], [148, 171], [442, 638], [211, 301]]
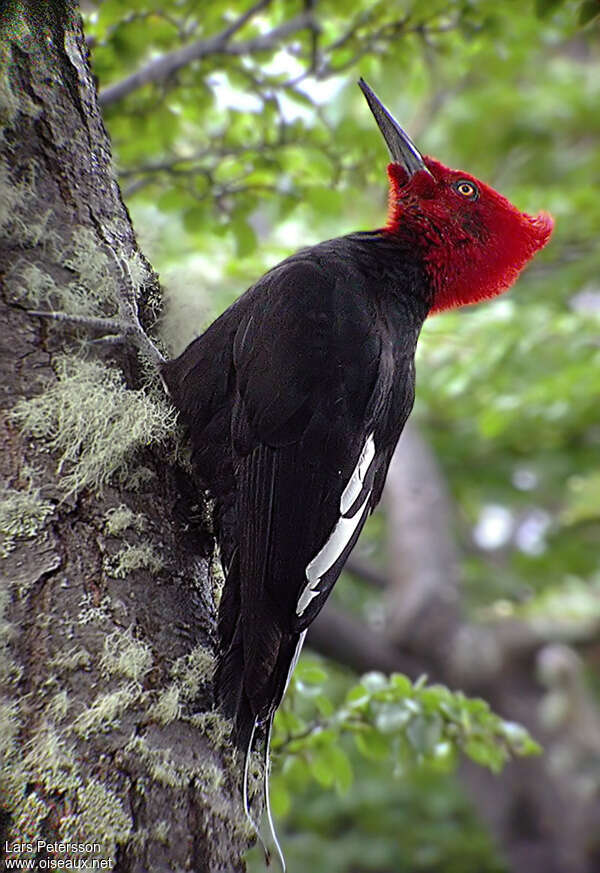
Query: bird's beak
[[402, 148]]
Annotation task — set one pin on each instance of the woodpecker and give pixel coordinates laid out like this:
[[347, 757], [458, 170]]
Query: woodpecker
[[296, 397]]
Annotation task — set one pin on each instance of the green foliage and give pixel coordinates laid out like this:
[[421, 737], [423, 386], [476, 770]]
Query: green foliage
[[390, 719]]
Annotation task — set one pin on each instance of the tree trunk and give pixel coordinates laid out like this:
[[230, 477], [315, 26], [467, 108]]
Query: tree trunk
[[108, 614]]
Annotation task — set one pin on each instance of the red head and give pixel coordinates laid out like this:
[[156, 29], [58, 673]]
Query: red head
[[473, 241]]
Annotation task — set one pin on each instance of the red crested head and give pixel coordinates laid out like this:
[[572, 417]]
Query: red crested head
[[473, 241]]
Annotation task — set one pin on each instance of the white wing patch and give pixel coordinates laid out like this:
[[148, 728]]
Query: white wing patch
[[343, 530], [329, 554], [355, 484]]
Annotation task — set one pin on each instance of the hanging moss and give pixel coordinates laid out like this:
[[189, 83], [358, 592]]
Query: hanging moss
[[105, 711], [119, 518], [94, 423], [167, 708], [101, 813], [193, 670], [123, 655], [22, 515], [133, 557]]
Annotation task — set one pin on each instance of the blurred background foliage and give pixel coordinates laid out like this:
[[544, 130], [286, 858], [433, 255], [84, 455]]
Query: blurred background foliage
[[239, 135]]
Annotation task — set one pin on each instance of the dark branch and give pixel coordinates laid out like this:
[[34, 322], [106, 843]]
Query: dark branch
[[366, 572], [350, 642], [163, 68]]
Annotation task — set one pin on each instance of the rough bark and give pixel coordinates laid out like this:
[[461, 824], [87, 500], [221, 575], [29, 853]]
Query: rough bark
[[106, 734]]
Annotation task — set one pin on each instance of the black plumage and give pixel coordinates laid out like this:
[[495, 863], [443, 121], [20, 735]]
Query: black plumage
[[280, 395], [295, 399]]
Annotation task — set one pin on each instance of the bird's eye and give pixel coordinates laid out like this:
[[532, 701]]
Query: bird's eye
[[466, 189]]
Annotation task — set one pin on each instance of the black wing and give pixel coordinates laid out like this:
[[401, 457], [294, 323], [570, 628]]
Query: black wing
[[311, 378]]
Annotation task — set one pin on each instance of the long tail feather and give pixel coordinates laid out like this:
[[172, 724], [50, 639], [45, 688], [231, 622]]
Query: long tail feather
[[246, 799], [267, 771]]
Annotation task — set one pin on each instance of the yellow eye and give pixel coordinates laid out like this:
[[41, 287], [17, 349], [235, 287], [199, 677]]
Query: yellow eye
[[466, 189]]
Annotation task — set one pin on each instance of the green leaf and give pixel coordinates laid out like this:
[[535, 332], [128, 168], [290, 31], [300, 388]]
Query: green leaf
[[281, 800], [588, 10], [358, 696], [322, 767], [194, 219], [245, 237], [342, 769], [373, 744], [391, 717], [583, 498], [424, 733], [374, 681], [310, 673], [545, 8], [324, 705], [485, 753], [170, 201], [401, 684]]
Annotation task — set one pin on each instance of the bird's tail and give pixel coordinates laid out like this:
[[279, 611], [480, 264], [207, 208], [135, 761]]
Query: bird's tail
[[252, 719]]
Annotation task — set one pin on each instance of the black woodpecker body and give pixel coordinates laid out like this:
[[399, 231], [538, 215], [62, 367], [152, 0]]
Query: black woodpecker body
[[295, 399], [296, 396]]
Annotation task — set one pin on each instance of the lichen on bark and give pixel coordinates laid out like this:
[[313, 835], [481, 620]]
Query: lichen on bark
[[107, 733]]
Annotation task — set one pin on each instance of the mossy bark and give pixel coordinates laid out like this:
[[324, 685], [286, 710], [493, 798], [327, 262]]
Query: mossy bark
[[105, 736]]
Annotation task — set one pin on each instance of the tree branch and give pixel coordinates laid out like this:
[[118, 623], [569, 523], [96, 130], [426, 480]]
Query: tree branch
[[162, 68], [349, 641], [366, 571]]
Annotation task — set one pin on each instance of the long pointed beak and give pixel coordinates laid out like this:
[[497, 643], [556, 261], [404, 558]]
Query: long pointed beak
[[402, 148]]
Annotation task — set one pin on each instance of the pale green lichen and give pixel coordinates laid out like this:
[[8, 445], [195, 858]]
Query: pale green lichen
[[90, 263], [99, 813], [138, 479], [193, 670], [36, 289], [105, 711], [160, 832], [9, 101], [98, 272], [214, 726], [123, 655], [12, 777], [10, 671], [94, 422], [68, 660], [26, 827], [52, 760], [13, 198], [22, 515], [90, 611], [58, 706], [32, 286], [141, 556], [93, 291], [163, 768], [160, 764], [167, 707], [120, 518], [138, 270]]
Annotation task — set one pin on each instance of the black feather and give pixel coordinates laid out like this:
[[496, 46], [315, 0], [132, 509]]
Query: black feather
[[281, 396]]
